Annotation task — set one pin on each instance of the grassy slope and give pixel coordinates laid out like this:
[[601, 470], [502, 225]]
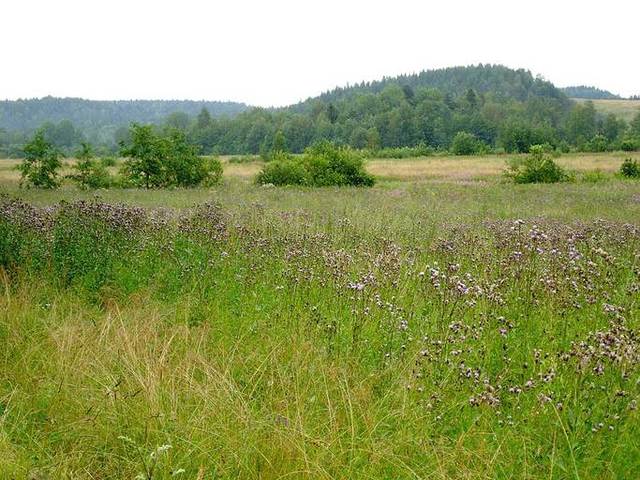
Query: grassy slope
[[253, 358], [626, 109]]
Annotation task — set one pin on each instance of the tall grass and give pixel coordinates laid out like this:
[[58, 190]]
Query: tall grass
[[335, 340]]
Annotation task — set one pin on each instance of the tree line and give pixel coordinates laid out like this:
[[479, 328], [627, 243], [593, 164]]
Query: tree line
[[464, 110]]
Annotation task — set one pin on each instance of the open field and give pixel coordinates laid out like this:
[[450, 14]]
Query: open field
[[442, 324], [626, 109]]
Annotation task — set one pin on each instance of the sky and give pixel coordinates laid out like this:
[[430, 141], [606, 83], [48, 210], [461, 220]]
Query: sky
[[274, 53]]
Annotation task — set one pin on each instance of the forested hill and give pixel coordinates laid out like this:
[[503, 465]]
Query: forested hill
[[91, 115], [501, 82], [590, 93], [463, 109]]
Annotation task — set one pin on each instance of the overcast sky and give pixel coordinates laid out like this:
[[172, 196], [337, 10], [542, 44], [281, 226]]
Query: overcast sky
[[279, 52]]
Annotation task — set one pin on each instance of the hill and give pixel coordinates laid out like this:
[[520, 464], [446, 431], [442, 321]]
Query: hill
[[93, 116], [591, 93], [501, 82]]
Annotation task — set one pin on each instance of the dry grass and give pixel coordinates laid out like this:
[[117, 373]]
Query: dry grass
[[436, 168], [466, 169]]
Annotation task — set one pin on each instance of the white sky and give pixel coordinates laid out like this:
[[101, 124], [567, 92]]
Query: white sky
[[278, 52]]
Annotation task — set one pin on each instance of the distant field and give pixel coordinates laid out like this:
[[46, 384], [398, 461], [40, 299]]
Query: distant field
[[435, 168], [625, 109]]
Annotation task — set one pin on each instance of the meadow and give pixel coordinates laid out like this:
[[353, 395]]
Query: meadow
[[625, 109], [443, 324]]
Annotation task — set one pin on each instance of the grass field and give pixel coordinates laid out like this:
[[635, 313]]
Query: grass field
[[442, 324], [626, 109]]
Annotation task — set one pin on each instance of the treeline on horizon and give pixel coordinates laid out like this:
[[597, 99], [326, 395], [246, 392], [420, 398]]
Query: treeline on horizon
[[466, 110]]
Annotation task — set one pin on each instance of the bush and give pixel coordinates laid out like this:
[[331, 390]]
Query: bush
[[283, 169], [599, 143], [537, 167], [630, 168], [108, 161], [629, 145], [41, 163], [163, 161], [465, 143], [323, 164], [90, 173]]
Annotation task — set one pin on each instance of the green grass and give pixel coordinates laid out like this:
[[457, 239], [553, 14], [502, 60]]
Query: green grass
[[626, 109], [322, 333]]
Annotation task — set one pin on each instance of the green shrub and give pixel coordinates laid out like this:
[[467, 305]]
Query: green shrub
[[630, 168], [465, 143], [537, 167], [323, 164], [629, 145], [329, 164], [596, 176], [599, 143], [283, 169], [41, 163], [108, 162], [90, 173], [155, 160]]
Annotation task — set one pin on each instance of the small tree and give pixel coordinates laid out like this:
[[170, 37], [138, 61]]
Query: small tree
[[630, 168], [465, 143], [143, 166], [537, 167], [90, 173], [41, 163]]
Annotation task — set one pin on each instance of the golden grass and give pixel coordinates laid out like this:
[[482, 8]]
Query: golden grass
[[434, 169]]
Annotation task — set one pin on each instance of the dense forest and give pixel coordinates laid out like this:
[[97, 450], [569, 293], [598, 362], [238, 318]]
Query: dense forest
[[590, 93], [70, 119], [463, 109]]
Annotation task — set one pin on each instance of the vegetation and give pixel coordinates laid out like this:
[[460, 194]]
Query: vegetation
[[368, 333], [591, 93], [89, 172], [41, 163], [630, 168], [537, 167], [504, 109], [155, 160], [323, 164]]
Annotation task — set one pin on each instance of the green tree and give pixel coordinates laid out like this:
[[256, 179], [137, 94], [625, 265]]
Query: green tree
[[279, 142], [41, 163], [465, 143], [204, 119], [89, 173], [143, 166]]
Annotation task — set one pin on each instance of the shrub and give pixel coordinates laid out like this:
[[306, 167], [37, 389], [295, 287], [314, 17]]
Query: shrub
[[599, 143], [170, 160], [537, 167], [283, 169], [630, 168], [90, 173], [41, 163], [108, 161], [329, 164], [323, 164], [465, 143], [629, 145]]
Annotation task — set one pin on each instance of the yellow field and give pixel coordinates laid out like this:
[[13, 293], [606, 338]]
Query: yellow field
[[626, 109]]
